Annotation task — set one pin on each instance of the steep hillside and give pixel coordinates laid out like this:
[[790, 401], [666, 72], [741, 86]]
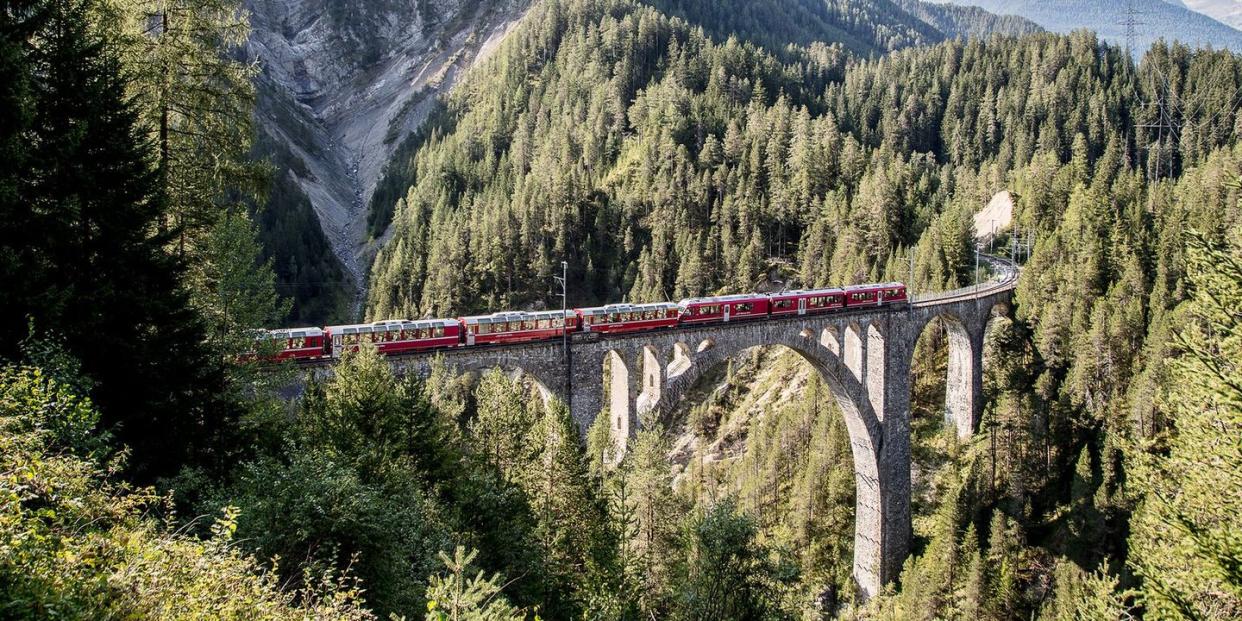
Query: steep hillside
[[666, 164], [1159, 19], [342, 86], [343, 82], [1225, 11], [862, 26], [968, 21]]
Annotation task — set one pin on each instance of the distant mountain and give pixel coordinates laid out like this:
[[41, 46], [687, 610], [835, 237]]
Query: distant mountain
[[1226, 11], [968, 21], [1161, 19], [862, 26]]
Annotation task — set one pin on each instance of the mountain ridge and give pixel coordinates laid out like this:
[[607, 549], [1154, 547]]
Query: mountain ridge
[[1105, 17]]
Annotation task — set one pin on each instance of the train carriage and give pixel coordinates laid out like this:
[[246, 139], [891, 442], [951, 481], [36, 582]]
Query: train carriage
[[518, 327], [801, 302], [623, 318], [724, 308], [291, 344], [875, 295], [396, 337]]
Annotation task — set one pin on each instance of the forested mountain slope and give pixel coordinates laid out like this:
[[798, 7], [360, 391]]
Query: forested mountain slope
[[968, 21], [340, 90], [1225, 11], [862, 26], [1157, 19], [676, 165]]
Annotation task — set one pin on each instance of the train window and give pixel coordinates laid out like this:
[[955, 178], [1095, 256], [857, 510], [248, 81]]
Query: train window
[[558, 323], [744, 307], [544, 324], [439, 331]]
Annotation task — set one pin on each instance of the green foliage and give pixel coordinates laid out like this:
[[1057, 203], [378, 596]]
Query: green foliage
[[1185, 542], [456, 596], [1083, 597], [727, 573], [195, 97], [82, 255], [76, 544], [345, 491]]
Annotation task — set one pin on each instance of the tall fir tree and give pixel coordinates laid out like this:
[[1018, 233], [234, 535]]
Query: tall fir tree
[[92, 268]]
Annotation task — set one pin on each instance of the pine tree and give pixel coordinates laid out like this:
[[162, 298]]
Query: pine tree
[[578, 543], [195, 96], [104, 281], [21, 273], [1185, 542], [456, 596]]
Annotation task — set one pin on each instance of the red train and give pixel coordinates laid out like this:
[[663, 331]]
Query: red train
[[395, 337]]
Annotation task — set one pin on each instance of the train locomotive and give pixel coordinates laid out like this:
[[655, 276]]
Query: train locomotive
[[398, 337]]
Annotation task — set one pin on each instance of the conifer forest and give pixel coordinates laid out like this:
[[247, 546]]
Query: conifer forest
[[158, 213]]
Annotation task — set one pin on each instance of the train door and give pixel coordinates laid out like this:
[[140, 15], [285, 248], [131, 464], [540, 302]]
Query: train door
[[801, 306], [470, 333], [727, 307]]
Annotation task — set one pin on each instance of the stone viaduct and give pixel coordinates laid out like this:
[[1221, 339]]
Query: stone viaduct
[[864, 357]]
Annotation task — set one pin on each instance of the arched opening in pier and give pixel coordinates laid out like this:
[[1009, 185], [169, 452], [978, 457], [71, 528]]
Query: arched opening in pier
[[775, 431]]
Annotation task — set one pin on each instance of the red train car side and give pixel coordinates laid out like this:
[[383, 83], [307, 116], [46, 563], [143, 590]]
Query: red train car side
[[875, 295], [806, 302], [291, 344], [622, 318], [724, 308], [518, 327], [396, 337]]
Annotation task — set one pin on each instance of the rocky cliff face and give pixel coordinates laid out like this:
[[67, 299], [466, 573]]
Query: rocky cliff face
[[344, 81]]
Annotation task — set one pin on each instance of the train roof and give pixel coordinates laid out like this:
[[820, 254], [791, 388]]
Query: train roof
[[626, 308], [292, 333], [874, 285], [800, 292], [391, 324], [736, 297], [508, 316]]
